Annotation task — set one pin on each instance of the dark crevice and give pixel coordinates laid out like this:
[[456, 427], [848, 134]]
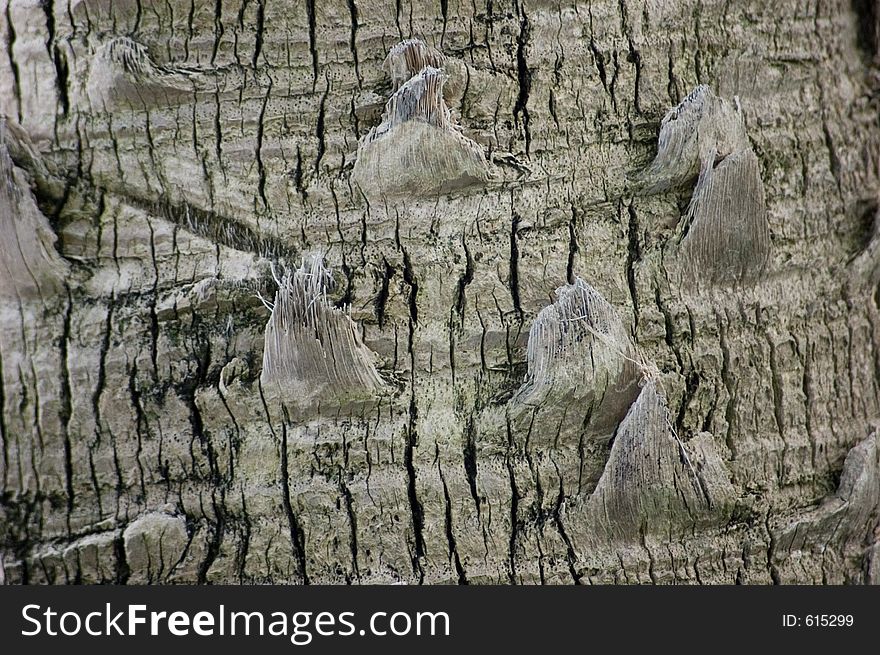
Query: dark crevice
[[58, 59], [352, 39], [217, 531], [352, 522], [470, 460], [319, 128], [456, 315], [691, 384], [573, 247], [140, 425], [669, 330], [514, 266], [866, 34], [261, 169], [313, 39], [122, 570], [514, 508], [218, 29], [599, 59], [65, 410], [524, 77], [297, 539], [245, 544], [258, 32], [382, 297], [13, 65], [633, 256], [418, 518], [571, 556], [635, 58], [450, 537], [217, 228], [463, 282], [833, 159], [412, 438], [776, 385], [297, 174], [444, 11]]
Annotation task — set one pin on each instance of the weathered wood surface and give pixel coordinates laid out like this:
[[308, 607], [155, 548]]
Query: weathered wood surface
[[162, 162]]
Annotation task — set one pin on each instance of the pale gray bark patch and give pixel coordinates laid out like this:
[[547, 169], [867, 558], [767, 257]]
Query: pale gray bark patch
[[417, 149], [847, 518], [122, 73], [32, 272], [581, 365], [408, 58], [726, 234], [313, 352], [154, 545], [130, 395], [700, 131], [650, 483]]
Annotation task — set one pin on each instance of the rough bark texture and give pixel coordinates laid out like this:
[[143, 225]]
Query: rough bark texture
[[163, 162]]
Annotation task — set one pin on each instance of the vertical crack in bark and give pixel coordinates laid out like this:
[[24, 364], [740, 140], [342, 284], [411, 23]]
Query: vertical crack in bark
[[258, 32], [319, 127], [218, 28], [13, 64], [598, 58], [154, 295], [833, 159], [218, 528], [352, 523], [313, 40], [571, 554], [297, 540], [804, 353], [771, 552], [140, 426], [102, 368], [524, 75], [450, 537], [120, 562], [634, 255], [65, 410], [352, 39], [669, 329], [58, 59], [412, 437], [776, 386], [444, 11], [245, 543], [731, 385], [382, 297], [466, 278], [514, 508], [4, 434], [261, 168], [573, 247], [456, 314], [218, 133], [635, 58], [470, 461], [514, 266]]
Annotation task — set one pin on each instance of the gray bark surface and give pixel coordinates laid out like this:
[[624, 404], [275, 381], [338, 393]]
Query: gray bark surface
[[416, 402]]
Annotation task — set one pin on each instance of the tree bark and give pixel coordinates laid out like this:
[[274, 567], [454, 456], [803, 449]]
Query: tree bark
[[423, 407]]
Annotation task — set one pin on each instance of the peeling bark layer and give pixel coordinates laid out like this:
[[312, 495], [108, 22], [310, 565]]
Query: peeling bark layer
[[159, 158]]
